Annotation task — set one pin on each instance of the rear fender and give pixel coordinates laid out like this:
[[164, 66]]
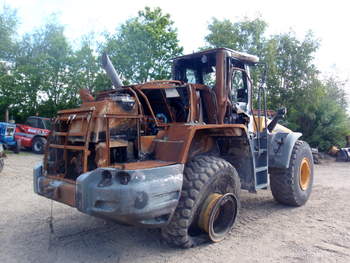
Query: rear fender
[[229, 143], [181, 143]]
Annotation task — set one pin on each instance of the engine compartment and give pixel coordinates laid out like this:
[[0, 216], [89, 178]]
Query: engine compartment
[[119, 127]]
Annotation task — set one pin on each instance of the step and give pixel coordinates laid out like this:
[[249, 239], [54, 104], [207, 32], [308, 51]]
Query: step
[[261, 169]]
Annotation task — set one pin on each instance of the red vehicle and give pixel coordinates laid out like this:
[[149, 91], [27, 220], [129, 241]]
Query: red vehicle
[[33, 134]]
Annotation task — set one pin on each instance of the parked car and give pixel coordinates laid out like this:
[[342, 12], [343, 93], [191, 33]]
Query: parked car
[[7, 137], [33, 134]]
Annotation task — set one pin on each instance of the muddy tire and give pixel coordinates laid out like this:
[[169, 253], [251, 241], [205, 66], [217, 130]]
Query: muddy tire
[[17, 148], [292, 186], [39, 145], [203, 176]]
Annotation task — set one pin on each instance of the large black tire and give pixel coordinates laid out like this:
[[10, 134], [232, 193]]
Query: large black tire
[[17, 148], [39, 145], [292, 186], [203, 176]]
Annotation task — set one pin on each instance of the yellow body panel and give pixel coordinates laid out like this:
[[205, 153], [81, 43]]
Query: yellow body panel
[[278, 128]]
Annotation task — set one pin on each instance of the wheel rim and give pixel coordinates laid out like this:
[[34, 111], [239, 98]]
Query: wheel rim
[[218, 215], [37, 146], [304, 174]]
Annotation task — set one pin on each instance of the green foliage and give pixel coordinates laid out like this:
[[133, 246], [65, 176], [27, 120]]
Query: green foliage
[[321, 118], [8, 26], [85, 71], [42, 70], [246, 36], [141, 48], [316, 108]]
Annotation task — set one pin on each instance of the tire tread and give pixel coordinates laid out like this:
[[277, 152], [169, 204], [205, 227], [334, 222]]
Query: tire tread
[[282, 180], [197, 174]]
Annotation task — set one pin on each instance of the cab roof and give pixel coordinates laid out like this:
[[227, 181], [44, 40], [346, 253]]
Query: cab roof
[[244, 57]]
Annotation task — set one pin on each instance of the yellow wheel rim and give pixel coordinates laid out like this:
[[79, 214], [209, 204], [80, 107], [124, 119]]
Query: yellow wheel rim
[[208, 206], [304, 174]]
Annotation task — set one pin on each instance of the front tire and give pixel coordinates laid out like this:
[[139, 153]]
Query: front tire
[[17, 146], [39, 145], [204, 176], [292, 186]]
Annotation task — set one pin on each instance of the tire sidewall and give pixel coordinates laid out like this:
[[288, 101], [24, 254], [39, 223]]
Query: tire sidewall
[[39, 145], [228, 173], [202, 175], [303, 152], [18, 146]]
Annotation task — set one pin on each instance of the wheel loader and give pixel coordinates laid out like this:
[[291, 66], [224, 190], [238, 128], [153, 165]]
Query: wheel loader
[[175, 154]]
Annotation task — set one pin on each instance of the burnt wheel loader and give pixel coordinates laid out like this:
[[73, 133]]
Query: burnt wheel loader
[[174, 154]]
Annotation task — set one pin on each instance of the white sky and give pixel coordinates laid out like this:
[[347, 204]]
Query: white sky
[[329, 20]]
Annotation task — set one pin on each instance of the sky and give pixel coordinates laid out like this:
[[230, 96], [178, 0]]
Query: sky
[[328, 20]]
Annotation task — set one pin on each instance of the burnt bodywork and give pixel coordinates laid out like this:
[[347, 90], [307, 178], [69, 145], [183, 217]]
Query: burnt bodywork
[[121, 154]]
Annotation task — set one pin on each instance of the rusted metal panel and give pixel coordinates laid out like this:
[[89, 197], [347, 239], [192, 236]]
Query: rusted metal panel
[[101, 157], [163, 152], [160, 84], [70, 147], [146, 143], [118, 143], [220, 87], [179, 138], [62, 192], [85, 108], [142, 165]]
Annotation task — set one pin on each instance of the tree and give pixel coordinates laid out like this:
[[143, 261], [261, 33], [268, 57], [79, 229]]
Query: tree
[[42, 72], [86, 71], [142, 46], [290, 67], [246, 36], [8, 26], [322, 120]]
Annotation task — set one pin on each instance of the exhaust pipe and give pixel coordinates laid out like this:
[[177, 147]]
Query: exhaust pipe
[[110, 70]]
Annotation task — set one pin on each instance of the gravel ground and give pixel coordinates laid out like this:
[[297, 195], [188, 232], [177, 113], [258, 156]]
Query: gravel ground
[[265, 232]]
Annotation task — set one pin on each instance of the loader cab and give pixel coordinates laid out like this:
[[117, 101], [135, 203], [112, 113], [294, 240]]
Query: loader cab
[[226, 72]]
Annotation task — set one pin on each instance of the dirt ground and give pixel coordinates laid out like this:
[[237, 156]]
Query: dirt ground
[[265, 232]]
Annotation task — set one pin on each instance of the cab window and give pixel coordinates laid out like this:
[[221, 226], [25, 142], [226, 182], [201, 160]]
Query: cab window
[[239, 92], [32, 122], [197, 69]]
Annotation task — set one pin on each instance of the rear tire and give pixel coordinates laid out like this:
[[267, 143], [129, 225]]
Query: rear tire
[[292, 186], [203, 176], [39, 145]]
